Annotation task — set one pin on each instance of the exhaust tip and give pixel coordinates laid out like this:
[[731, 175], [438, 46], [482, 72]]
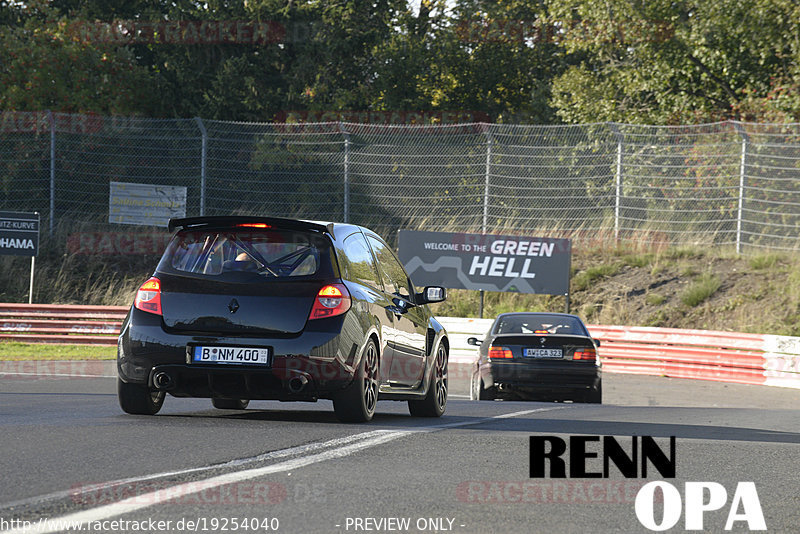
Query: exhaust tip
[[163, 380], [297, 384]]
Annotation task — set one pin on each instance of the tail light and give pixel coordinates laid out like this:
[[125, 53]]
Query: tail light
[[148, 298], [331, 300], [496, 353], [585, 354]]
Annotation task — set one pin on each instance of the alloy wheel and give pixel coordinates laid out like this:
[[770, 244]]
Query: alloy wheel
[[370, 378], [440, 374]]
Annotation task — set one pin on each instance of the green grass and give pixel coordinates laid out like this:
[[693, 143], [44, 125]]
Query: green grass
[[590, 311], [763, 261], [654, 299], [638, 260], [584, 279], [657, 319], [683, 253], [700, 290], [659, 267], [14, 351]]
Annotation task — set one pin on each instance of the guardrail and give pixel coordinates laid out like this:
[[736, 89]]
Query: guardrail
[[71, 324], [678, 353]]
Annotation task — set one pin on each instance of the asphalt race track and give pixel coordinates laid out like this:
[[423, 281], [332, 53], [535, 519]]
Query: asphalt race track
[[293, 468]]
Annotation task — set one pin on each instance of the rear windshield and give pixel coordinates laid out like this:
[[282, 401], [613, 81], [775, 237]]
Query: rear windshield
[[539, 324], [247, 254]]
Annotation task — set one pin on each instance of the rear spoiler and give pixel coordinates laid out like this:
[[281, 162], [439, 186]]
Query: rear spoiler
[[234, 220]]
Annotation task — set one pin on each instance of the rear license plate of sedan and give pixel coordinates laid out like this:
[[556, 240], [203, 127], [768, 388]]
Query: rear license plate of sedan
[[544, 353], [230, 355]]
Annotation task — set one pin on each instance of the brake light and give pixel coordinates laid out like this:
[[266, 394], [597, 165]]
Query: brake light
[[331, 300], [253, 225], [585, 354], [148, 298], [499, 352]]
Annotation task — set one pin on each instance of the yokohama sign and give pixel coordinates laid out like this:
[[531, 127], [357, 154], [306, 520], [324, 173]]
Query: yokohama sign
[[19, 233]]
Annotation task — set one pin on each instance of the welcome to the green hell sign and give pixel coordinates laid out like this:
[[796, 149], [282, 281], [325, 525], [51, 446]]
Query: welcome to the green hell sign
[[519, 263]]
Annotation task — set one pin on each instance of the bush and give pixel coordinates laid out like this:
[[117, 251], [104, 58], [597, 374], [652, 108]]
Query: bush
[[700, 290]]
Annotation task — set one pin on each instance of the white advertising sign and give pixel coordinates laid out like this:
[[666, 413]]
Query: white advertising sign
[[145, 204]]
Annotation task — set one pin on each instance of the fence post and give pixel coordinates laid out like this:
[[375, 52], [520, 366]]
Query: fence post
[[487, 180], [488, 175], [618, 179], [203, 160], [742, 183], [52, 122], [346, 135]]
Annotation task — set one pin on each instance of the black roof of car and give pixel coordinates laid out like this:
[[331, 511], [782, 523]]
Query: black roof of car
[[507, 314]]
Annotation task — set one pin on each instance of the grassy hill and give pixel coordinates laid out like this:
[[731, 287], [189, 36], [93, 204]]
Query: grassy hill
[[688, 287], [680, 288]]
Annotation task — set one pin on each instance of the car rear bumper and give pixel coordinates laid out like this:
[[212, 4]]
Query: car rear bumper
[[552, 376], [314, 364], [244, 382]]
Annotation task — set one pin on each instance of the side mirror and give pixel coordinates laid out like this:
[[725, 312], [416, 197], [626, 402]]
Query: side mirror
[[431, 294], [474, 341], [596, 342]]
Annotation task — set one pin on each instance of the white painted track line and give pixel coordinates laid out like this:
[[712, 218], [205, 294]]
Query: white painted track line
[[346, 448]]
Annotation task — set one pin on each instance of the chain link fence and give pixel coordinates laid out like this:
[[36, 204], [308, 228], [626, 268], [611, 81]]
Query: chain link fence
[[722, 184]]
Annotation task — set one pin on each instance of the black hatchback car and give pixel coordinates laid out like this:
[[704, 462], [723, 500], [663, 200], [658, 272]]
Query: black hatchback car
[[243, 308], [537, 356]]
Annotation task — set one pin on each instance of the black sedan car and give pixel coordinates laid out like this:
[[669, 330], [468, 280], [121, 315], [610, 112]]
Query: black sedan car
[[243, 308], [537, 356]]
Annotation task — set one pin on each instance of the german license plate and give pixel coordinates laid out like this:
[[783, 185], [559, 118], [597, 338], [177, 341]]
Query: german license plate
[[544, 353], [230, 355]]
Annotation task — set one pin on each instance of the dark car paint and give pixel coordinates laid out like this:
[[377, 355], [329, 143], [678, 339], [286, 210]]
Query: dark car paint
[[324, 352], [534, 378], [283, 312], [542, 379]]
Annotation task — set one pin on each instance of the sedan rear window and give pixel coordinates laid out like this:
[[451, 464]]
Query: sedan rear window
[[539, 324], [233, 255]]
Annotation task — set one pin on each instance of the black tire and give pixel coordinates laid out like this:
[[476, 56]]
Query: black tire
[[595, 396], [473, 386], [138, 399], [356, 403], [484, 393], [230, 404], [435, 401]]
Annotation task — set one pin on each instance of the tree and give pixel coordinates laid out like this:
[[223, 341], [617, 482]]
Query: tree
[[671, 62], [44, 64]]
